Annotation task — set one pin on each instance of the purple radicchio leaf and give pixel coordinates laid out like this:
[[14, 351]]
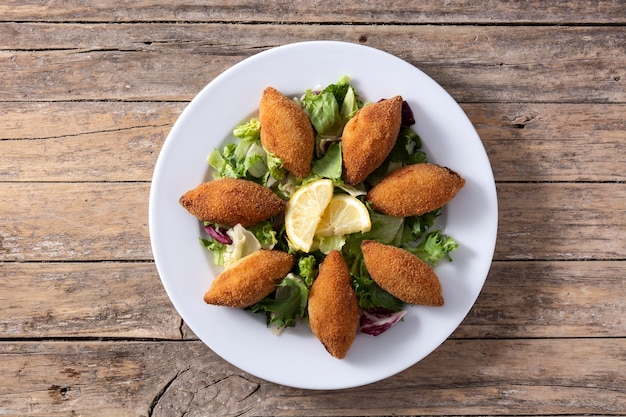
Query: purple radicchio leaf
[[408, 119], [219, 234], [377, 320], [407, 115]]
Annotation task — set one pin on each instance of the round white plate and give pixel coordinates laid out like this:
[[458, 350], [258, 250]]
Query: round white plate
[[296, 358]]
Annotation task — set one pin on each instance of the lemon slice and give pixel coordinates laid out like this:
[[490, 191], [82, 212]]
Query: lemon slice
[[344, 215], [304, 211]]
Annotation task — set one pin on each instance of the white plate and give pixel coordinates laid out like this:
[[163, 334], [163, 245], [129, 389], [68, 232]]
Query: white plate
[[296, 358]]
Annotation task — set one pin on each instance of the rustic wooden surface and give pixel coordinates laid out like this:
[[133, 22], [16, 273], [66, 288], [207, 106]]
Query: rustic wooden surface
[[88, 93]]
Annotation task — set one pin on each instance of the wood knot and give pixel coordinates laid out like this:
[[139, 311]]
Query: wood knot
[[520, 122], [59, 394]]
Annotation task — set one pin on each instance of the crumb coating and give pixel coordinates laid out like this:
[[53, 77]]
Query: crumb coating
[[402, 274], [368, 138], [414, 190], [250, 279], [286, 132], [333, 308], [232, 201]]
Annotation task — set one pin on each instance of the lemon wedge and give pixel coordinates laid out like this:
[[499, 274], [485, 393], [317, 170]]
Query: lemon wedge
[[344, 215], [304, 211]]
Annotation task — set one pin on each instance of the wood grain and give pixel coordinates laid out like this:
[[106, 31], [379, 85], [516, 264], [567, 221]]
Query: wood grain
[[317, 11], [158, 62], [103, 299], [561, 221], [164, 379], [549, 300], [68, 221], [525, 142], [127, 300], [55, 221], [552, 142], [89, 92]]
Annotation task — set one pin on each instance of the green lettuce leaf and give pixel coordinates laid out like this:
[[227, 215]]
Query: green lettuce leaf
[[369, 294], [244, 243], [328, 244], [250, 131], [407, 148], [275, 167], [416, 226], [331, 108], [350, 105], [434, 247], [243, 159], [265, 234], [406, 151], [323, 110], [385, 229], [287, 305], [217, 249], [330, 165], [308, 269]]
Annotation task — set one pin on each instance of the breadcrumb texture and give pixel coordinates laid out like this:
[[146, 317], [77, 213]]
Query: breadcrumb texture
[[333, 307], [402, 274], [414, 190], [369, 137], [232, 201], [250, 279], [286, 132]]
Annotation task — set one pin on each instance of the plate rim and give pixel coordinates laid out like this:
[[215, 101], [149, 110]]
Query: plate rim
[[178, 125]]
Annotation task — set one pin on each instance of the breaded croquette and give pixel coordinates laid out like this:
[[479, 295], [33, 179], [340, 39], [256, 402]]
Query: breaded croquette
[[232, 201], [402, 274], [250, 279], [414, 190], [286, 132], [369, 137], [333, 308]]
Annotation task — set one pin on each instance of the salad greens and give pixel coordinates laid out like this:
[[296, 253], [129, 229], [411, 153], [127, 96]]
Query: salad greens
[[329, 109], [287, 305]]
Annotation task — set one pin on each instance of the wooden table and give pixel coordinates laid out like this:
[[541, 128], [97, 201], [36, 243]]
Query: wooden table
[[88, 94]]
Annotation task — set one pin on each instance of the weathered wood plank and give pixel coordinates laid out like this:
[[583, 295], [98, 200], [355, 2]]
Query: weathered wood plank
[[45, 62], [550, 299], [88, 141], [561, 221], [55, 221], [163, 379], [74, 221], [552, 142], [102, 156], [525, 142], [52, 120], [85, 300], [420, 12], [125, 300]]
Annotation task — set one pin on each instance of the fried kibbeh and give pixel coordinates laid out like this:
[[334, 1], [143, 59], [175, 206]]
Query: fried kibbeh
[[414, 190], [333, 309], [402, 274], [250, 279], [369, 137], [286, 132], [232, 201]]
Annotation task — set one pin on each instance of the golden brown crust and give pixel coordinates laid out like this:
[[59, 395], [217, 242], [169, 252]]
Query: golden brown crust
[[286, 132], [414, 190], [369, 137], [250, 279], [402, 274], [231, 201], [333, 308]]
